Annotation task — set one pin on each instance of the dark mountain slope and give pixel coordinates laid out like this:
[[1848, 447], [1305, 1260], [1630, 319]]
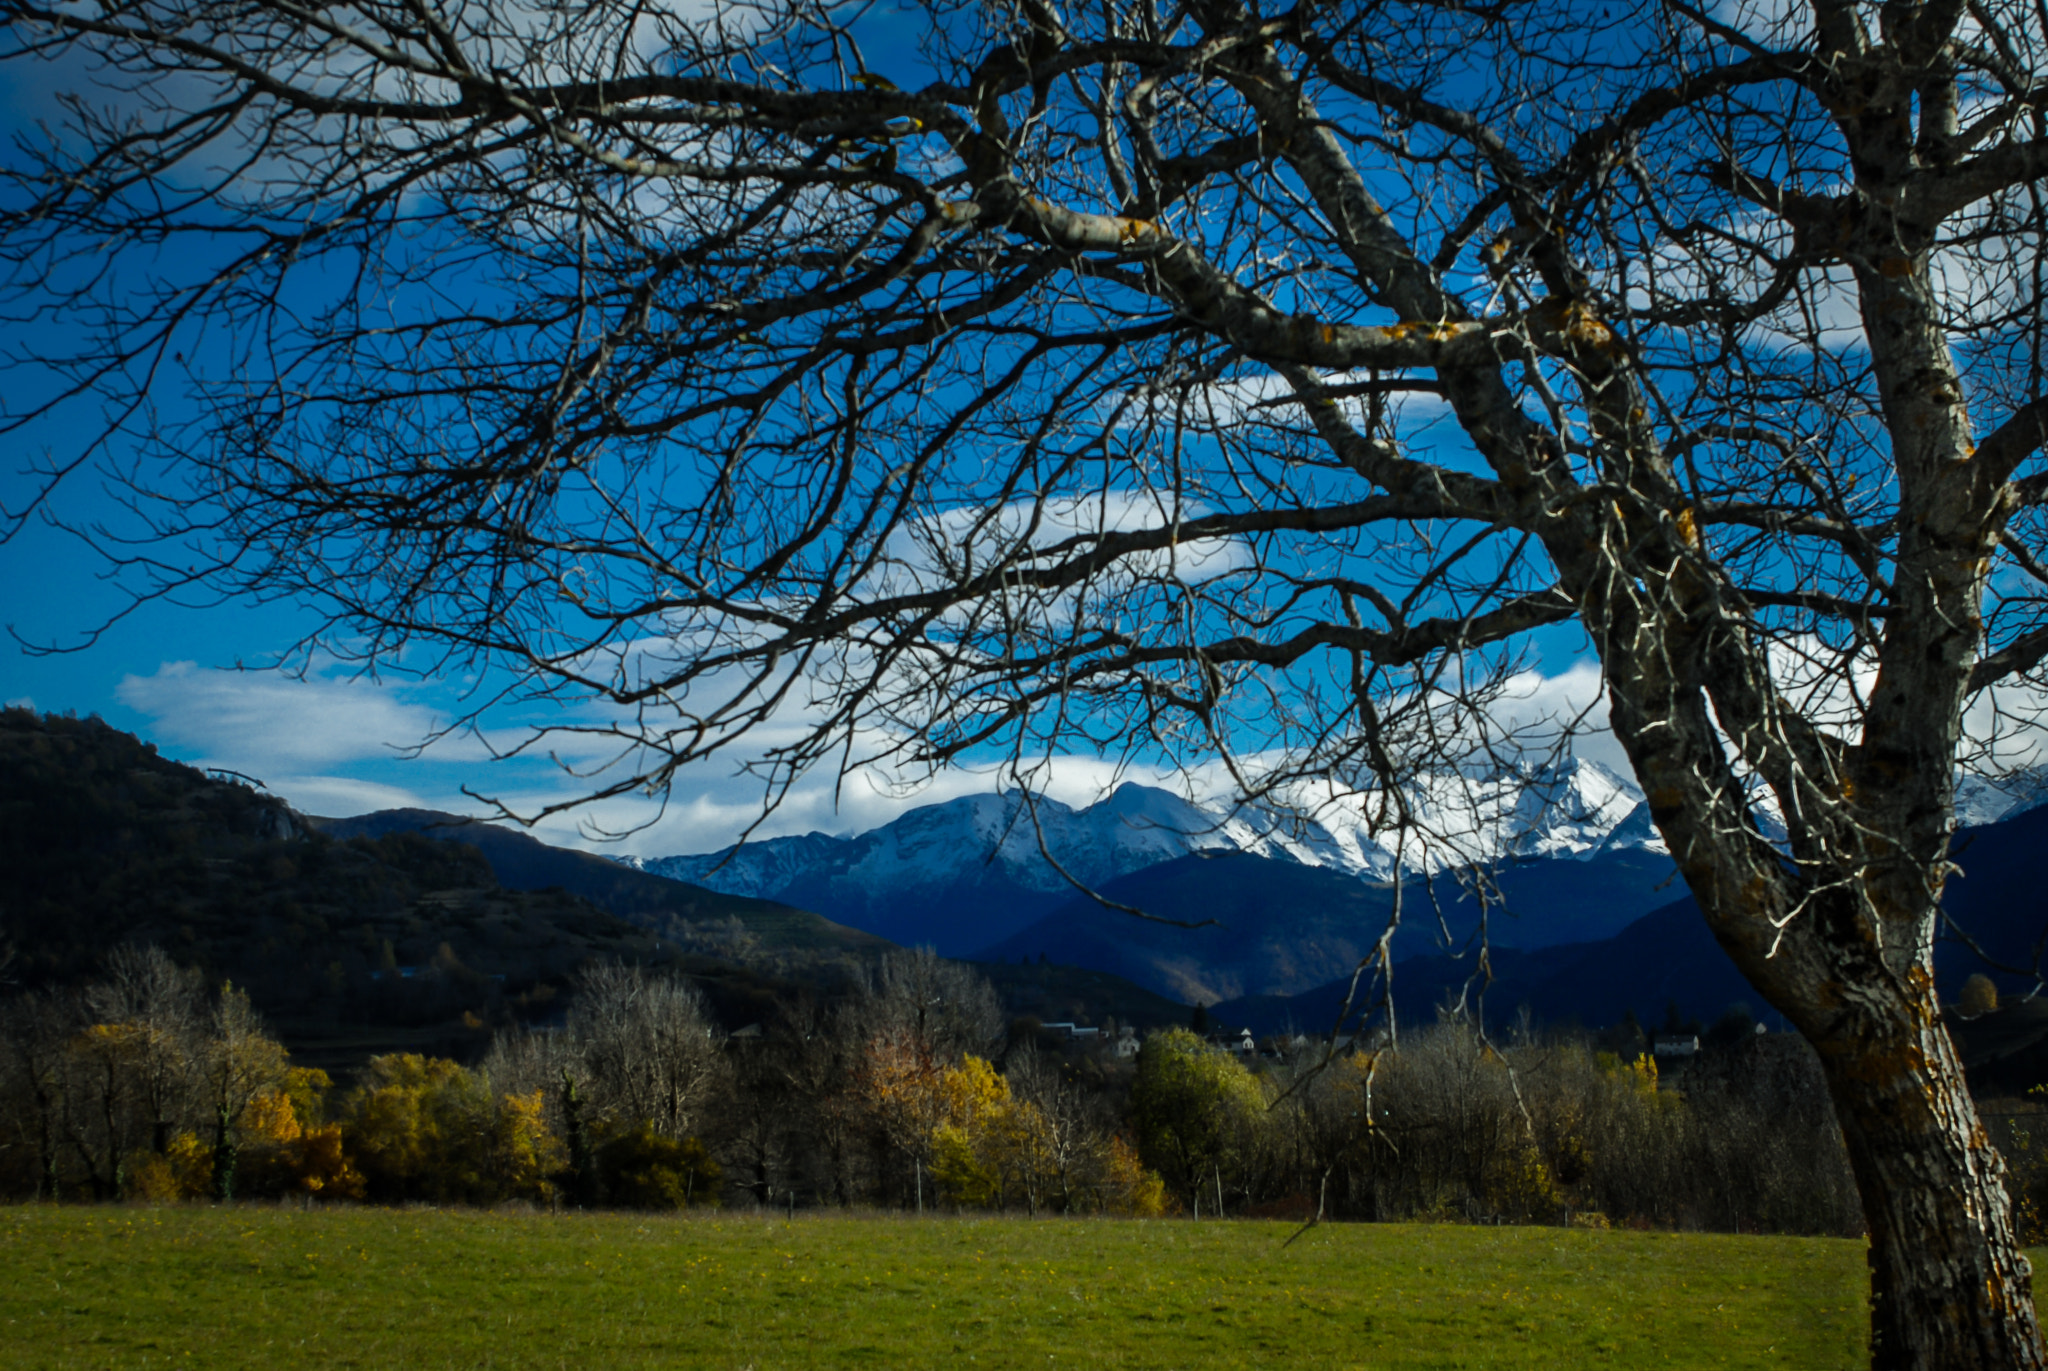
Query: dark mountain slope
[[350, 946], [1669, 957], [522, 862], [1999, 901], [1282, 927], [1277, 926], [1052, 993]]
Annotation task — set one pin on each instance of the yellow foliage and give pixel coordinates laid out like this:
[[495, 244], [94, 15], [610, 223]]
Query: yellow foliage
[[287, 1150], [972, 1093], [1980, 996], [981, 1137], [990, 1146], [966, 1174], [902, 1085], [183, 1171], [321, 1167], [527, 1151], [415, 1125], [270, 1121], [1132, 1188], [645, 1170], [307, 1088], [1523, 1184], [110, 1042], [427, 1128], [150, 1179]]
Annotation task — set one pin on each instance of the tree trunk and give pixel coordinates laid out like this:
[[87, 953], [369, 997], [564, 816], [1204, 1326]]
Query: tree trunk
[[1949, 1286], [1850, 963], [582, 1165], [225, 1155]]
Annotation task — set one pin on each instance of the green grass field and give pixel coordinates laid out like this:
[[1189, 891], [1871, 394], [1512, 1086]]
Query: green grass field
[[265, 1287]]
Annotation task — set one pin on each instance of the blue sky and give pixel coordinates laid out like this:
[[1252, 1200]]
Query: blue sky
[[331, 742], [335, 743]]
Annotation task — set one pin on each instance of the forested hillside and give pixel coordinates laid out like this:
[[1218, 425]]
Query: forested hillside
[[665, 905], [349, 946]]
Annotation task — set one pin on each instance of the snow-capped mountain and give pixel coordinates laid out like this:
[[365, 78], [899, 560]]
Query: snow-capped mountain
[[974, 840], [1984, 800], [1571, 810], [1568, 810], [1980, 800], [968, 873]]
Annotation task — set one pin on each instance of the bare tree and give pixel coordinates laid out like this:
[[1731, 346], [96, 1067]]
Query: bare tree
[[644, 1047], [36, 1028], [812, 1065], [944, 1008], [1070, 1140], [1182, 379], [160, 1007]]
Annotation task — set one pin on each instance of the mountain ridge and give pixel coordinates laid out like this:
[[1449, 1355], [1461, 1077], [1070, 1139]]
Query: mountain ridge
[[523, 862], [1268, 926], [1668, 957], [967, 873]]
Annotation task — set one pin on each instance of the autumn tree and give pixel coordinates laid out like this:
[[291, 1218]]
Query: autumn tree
[[425, 1128], [919, 1017], [142, 1082], [987, 1144], [1194, 382], [105, 1062], [1980, 996], [1192, 1105], [241, 1063], [288, 1146]]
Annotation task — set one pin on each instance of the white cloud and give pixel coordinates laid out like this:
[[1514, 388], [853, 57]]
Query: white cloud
[[710, 806], [285, 722], [338, 797], [335, 745], [330, 744], [1766, 21], [1577, 698]]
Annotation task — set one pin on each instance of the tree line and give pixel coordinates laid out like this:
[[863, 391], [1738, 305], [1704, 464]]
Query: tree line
[[905, 1088]]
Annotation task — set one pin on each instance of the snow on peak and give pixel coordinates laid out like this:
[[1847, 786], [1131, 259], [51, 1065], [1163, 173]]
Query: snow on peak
[[1462, 818], [1986, 800], [1576, 808], [940, 845], [1567, 810]]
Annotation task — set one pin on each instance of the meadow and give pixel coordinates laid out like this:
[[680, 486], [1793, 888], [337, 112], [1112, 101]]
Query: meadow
[[261, 1286]]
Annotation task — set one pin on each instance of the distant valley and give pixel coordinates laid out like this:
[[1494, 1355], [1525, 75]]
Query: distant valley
[[106, 841], [1265, 924]]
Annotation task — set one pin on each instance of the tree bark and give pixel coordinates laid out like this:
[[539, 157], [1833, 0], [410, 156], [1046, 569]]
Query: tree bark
[[226, 1156], [1949, 1286], [1950, 1289]]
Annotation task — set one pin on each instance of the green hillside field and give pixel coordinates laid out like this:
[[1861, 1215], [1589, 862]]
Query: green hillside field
[[349, 1287]]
